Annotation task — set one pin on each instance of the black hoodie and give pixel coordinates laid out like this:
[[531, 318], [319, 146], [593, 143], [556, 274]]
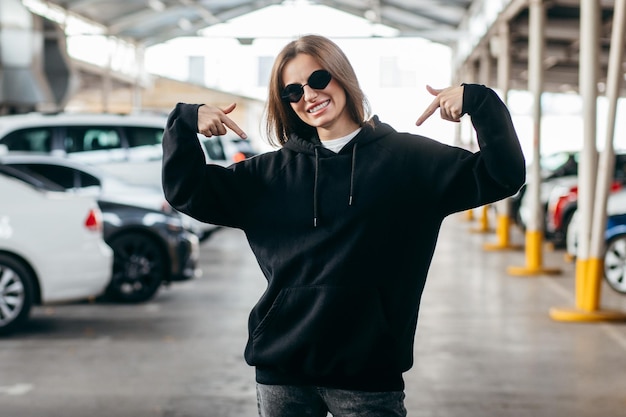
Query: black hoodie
[[344, 239]]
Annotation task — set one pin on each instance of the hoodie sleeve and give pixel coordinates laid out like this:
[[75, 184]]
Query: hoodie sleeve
[[207, 192], [497, 171]]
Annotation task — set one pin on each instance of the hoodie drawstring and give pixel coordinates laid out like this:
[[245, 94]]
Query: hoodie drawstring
[[352, 175], [317, 163]]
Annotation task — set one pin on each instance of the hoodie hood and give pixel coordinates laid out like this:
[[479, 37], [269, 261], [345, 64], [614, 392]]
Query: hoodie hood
[[370, 132]]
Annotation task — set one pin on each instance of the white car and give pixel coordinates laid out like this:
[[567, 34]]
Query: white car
[[546, 189], [51, 247], [128, 146], [99, 183]]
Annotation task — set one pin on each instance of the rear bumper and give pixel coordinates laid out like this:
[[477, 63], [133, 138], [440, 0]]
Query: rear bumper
[[185, 259], [65, 281]]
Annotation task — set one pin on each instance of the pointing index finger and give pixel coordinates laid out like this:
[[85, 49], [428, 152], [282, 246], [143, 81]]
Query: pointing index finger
[[227, 121], [234, 127], [428, 112]]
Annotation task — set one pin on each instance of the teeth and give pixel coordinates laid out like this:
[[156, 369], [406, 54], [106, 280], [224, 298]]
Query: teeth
[[318, 107]]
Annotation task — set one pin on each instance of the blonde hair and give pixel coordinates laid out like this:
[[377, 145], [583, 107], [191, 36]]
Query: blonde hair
[[282, 121]]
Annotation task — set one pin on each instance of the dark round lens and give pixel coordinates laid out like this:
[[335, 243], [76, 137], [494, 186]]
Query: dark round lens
[[292, 93], [319, 79]]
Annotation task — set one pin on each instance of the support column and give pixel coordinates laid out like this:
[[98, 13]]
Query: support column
[[503, 207], [137, 99], [587, 167], [589, 272], [485, 78], [534, 228]]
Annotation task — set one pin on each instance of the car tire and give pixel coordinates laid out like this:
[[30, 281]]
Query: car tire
[[615, 263], [16, 293], [139, 268]]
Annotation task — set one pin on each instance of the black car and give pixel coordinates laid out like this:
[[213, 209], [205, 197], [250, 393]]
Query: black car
[[150, 242], [150, 248]]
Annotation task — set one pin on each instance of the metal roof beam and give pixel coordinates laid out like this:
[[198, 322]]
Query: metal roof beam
[[605, 4], [79, 4], [558, 29], [444, 12], [133, 19], [174, 12], [205, 13], [409, 18], [237, 11]]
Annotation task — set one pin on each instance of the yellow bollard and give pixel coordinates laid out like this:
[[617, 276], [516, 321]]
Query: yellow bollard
[[534, 257], [589, 274], [503, 235], [484, 221], [590, 301]]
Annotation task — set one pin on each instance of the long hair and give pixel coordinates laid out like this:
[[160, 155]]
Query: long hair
[[282, 121]]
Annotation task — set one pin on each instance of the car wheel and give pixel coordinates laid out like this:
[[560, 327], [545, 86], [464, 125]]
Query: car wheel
[[16, 293], [139, 268], [615, 263]]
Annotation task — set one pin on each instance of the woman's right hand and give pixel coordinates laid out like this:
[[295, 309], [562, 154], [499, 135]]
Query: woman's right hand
[[213, 121]]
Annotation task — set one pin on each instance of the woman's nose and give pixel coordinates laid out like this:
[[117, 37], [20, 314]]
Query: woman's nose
[[309, 93]]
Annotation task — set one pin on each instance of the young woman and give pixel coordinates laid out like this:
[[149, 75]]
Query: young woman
[[343, 220]]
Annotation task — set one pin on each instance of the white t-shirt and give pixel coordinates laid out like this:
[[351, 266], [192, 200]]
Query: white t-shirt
[[336, 145]]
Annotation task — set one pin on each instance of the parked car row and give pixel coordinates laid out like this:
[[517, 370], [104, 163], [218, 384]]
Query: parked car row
[[150, 243], [109, 140], [559, 182], [72, 228], [559, 202], [128, 146], [614, 258]]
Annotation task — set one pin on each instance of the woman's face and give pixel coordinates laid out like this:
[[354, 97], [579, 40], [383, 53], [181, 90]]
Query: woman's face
[[323, 109]]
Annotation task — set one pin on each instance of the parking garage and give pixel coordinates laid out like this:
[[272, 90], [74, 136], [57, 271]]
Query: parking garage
[[510, 325]]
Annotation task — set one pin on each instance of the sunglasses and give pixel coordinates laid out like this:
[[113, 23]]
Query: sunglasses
[[318, 80]]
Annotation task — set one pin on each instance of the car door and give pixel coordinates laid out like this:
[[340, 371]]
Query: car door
[[143, 158]]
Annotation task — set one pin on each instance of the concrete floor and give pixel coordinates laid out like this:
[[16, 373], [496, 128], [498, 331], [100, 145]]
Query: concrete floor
[[485, 346]]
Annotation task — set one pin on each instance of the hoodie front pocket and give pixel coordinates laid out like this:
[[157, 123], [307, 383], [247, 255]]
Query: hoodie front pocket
[[321, 331]]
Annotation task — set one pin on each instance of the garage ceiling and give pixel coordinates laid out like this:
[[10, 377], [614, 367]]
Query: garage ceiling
[[150, 22], [562, 32], [155, 21]]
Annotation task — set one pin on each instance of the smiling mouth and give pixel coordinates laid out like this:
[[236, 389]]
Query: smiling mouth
[[319, 107]]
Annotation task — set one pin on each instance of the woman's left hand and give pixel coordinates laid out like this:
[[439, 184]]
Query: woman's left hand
[[448, 100]]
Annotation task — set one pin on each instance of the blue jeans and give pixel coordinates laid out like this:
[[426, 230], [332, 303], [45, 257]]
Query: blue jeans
[[310, 401]]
